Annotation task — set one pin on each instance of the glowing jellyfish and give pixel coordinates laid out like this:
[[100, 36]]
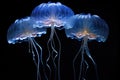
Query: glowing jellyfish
[[23, 30], [85, 27], [52, 15]]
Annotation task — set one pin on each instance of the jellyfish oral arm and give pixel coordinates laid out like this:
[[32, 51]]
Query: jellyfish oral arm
[[89, 55], [54, 51], [34, 46], [37, 63], [83, 63]]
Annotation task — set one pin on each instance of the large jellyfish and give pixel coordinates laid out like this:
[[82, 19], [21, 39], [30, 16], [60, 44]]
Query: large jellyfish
[[23, 30], [52, 15], [85, 27]]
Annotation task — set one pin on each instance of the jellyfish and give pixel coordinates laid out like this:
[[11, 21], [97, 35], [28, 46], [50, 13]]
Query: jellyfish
[[23, 30], [52, 15], [85, 28]]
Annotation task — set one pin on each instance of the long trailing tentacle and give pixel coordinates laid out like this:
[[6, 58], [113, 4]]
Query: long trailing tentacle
[[50, 55], [82, 62], [51, 39], [54, 55], [85, 71], [89, 55], [59, 54], [38, 58], [48, 66], [74, 60], [31, 50], [39, 47]]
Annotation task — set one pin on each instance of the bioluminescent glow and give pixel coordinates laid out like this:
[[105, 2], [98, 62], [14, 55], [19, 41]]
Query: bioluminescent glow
[[22, 30], [57, 16], [52, 15], [85, 27]]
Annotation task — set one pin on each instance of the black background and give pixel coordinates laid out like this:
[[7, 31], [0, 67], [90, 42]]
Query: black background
[[16, 63]]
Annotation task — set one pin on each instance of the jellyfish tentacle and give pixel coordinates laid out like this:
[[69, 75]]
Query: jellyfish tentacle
[[29, 47], [59, 53], [48, 66], [87, 66], [83, 68], [51, 39], [53, 58], [82, 62], [48, 58], [49, 52], [41, 59], [52, 44], [34, 59], [32, 51], [75, 58], [89, 55], [38, 61]]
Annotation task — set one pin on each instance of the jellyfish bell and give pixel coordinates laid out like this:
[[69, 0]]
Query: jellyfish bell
[[52, 14], [23, 29], [91, 26], [85, 27]]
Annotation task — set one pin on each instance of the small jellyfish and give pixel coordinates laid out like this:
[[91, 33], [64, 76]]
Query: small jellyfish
[[22, 30], [85, 27], [52, 15]]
